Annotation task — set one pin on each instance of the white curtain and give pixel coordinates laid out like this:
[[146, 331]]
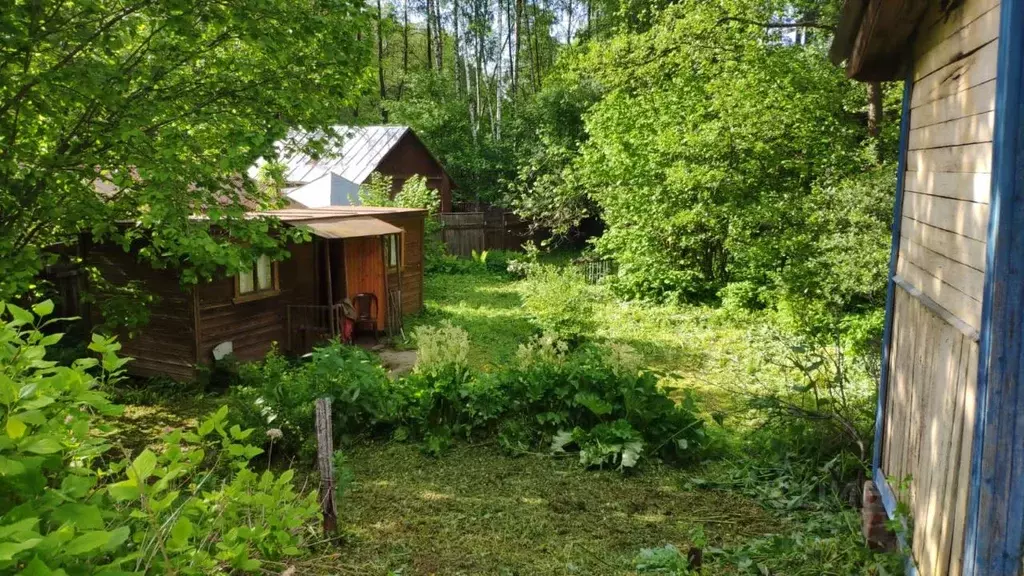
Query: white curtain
[[264, 273]]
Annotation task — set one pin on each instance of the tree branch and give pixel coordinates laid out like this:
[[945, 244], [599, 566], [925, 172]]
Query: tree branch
[[778, 25]]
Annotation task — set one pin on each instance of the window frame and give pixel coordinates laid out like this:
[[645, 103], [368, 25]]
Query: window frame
[[399, 244], [258, 294]]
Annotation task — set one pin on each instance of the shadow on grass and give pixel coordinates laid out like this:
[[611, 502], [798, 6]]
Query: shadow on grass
[[149, 414]]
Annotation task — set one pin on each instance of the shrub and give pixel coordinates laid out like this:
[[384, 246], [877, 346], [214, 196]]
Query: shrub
[[560, 302], [585, 399], [279, 394], [191, 506], [440, 348], [592, 399]]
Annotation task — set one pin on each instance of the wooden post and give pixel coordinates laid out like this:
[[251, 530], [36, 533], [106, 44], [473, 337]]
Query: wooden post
[[330, 288], [325, 462]]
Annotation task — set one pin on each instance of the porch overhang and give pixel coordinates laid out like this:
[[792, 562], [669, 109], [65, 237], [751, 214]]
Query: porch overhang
[[354, 227]]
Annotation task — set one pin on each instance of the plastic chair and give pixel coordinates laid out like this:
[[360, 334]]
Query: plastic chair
[[367, 310]]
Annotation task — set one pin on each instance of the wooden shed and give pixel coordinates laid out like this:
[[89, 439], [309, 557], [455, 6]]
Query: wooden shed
[[949, 437], [333, 177], [296, 302]]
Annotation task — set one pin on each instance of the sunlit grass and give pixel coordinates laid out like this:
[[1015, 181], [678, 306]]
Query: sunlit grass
[[478, 511]]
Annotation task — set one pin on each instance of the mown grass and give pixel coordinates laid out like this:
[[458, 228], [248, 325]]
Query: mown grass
[[699, 347], [475, 510]]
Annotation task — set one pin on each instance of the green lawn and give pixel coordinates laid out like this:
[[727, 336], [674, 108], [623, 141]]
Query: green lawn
[[477, 511], [702, 348]]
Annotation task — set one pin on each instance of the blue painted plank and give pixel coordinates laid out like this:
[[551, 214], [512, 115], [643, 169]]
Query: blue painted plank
[[890, 290], [995, 521], [889, 503]]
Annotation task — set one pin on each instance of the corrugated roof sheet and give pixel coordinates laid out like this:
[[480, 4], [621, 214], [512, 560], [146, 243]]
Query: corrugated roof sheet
[[293, 215], [361, 150], [357, 227]]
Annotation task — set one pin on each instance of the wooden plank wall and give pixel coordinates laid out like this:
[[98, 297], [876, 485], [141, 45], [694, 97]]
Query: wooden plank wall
[[253, 326], [463, 232], [928, 429], [949, 157], [166, 345], [930, 406], [412, 273]]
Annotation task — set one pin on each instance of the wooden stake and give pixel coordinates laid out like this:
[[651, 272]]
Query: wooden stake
[[325, 462]]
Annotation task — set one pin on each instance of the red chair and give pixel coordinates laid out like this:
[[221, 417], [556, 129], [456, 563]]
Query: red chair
[[367, 310]]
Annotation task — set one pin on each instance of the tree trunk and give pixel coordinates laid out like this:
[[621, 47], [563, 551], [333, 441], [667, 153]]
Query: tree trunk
[[874, 108], [536, 48], [458, 52], [438, 35], [405, 38], [568, 22], [498, 76], [430, 39], [515, 60], [380, 62]]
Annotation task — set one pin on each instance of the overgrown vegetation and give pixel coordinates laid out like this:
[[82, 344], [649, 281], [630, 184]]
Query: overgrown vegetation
[[595, 401], [72, 502]]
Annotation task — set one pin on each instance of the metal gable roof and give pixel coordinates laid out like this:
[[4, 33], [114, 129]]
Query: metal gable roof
[[361, 150]]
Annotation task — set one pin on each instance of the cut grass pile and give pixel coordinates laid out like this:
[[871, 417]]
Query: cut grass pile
[[477, 511]]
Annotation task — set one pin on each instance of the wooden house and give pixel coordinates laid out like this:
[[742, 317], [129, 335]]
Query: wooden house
[[949, 438], [295, 303], [333, 178]]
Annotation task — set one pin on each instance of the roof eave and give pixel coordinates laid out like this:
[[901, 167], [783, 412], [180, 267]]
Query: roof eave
[[874, 37]]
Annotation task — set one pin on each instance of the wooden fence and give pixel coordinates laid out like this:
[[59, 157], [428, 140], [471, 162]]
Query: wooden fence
[[595, 270], [494, 229]]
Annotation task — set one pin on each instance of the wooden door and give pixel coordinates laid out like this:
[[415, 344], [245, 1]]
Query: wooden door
[[364, 272]]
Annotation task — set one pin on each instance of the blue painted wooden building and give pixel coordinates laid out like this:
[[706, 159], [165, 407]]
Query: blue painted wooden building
[[950, 425]]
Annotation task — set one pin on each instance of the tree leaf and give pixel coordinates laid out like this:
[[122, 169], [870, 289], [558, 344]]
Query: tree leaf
[[15, 427], [41, 445], [44, 308], [87, 542], [182, 530], [143, 465]]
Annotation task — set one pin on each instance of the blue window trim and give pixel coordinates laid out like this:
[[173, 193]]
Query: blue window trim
[[890, 290], [995, 519]]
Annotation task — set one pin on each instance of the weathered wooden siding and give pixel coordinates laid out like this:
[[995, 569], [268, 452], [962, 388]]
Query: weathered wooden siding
[[928, 429], [928, 422], [166, 345], [410, 157], [412, 273], [253, 326], [949, 157]]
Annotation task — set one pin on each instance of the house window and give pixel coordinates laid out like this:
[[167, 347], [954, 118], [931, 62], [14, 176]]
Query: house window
[[258, 280], [393, 248]]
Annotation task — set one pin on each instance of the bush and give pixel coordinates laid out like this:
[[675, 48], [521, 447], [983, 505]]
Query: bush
[[190, 506], [560, 302], [441, 348], [277, 394], [609, 411], [592, 399]]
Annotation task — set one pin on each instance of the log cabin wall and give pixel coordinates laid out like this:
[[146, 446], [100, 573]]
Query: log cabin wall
[[166, 345], [932, 366], [253, 326]]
